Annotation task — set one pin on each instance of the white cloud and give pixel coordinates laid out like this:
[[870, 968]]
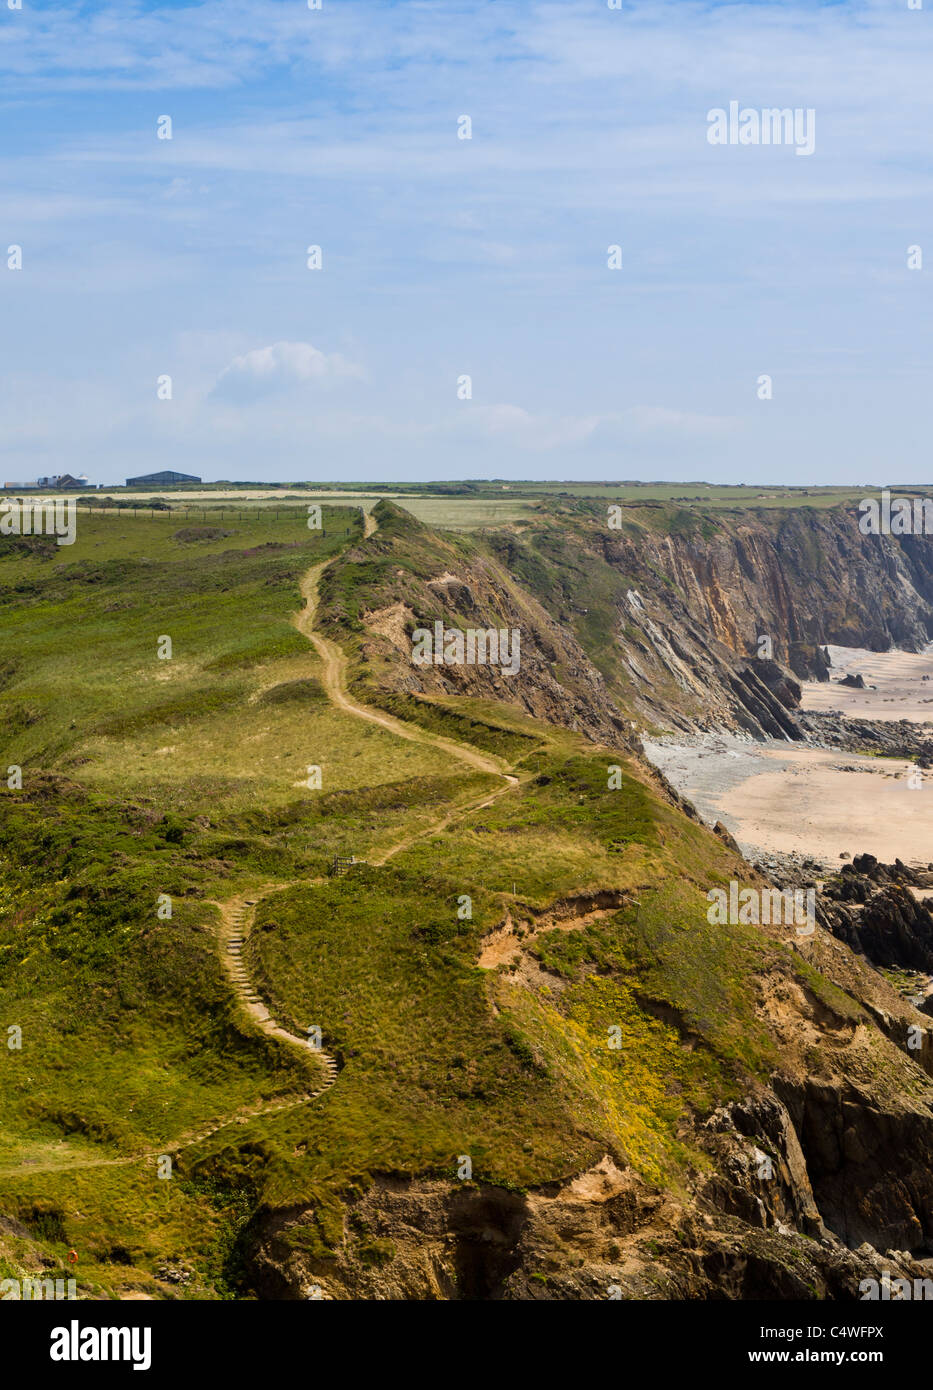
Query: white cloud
[[293, 127], [281, 367]]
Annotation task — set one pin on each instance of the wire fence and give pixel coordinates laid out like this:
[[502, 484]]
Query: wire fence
[[203, 515]]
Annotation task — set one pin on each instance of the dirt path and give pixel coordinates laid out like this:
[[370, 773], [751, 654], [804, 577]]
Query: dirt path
[[334, 663], [236, 921]]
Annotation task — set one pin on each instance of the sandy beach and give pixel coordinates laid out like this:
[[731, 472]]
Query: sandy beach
[[781, 798], [903, 684]]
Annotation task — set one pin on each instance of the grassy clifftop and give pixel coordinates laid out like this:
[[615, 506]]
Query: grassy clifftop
[[520, 971]]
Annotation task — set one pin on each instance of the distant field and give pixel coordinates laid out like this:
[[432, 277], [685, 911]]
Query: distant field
[[491, 505], [453, 513]]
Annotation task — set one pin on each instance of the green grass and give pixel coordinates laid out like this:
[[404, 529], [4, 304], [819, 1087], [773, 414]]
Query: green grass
[[143, 778], [87, 693], [451, 720], [381, 961], [187, 778]]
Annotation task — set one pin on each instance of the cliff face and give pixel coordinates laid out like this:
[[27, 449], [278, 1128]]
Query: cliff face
[[408, 579], [657, 623], [671, 621], [805, 578], [697, 620]]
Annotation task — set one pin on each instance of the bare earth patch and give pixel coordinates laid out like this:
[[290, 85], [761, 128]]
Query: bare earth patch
[[391, 623], [512, 938]]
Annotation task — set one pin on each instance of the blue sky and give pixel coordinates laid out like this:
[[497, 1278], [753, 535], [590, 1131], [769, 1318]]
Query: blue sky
[[443, 257]]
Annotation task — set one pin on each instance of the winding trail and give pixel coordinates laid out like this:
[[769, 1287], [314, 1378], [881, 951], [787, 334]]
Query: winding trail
[[333, 679], [238, 913], [334, 662]]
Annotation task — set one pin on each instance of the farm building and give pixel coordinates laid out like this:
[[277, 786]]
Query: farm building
[[158, 479]]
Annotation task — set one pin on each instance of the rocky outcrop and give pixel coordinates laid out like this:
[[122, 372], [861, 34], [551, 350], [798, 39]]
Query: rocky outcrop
[[814, 1190], [871, 907], [900, 738], [780, 682]]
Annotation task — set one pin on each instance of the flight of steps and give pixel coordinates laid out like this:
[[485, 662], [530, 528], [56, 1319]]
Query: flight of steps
[[241, 918], [235, 945]]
